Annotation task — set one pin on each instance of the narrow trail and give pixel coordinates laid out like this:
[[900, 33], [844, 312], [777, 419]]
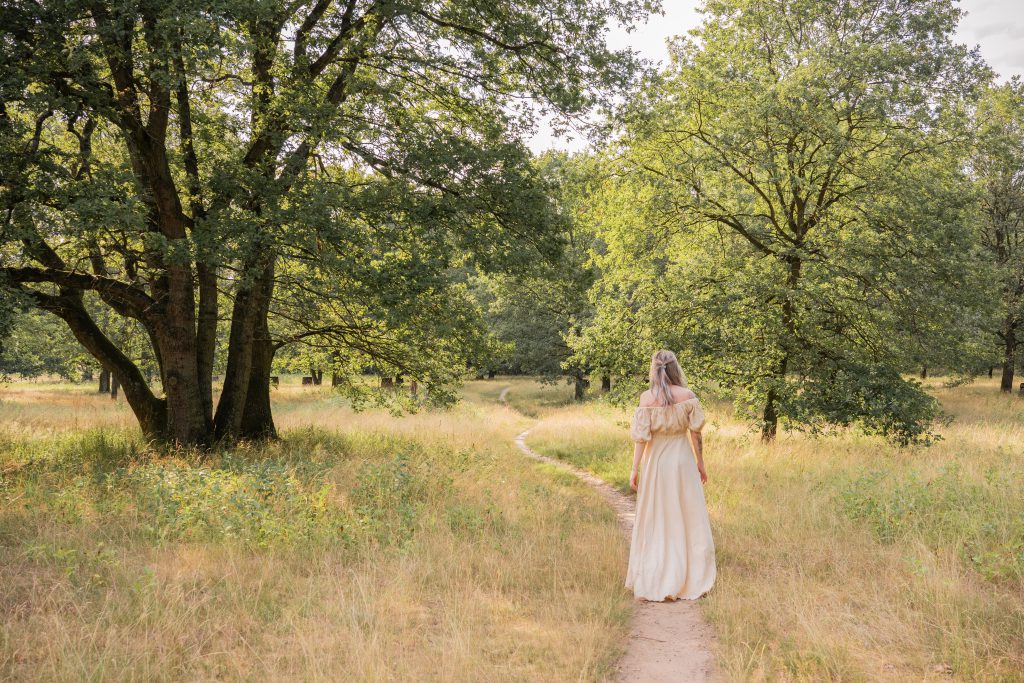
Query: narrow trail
[[668, 641]]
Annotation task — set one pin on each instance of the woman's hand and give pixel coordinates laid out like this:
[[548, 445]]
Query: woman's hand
[[703, 474], [633, 479]]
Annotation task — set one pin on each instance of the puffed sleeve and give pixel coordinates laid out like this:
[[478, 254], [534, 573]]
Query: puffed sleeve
[[695, 415], [640, 428]]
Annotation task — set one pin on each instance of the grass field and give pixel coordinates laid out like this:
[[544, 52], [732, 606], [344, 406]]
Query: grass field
[[362, 547], [371, 547], [845, 559]]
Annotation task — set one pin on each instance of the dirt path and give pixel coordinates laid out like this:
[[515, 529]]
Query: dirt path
[[668, 641]]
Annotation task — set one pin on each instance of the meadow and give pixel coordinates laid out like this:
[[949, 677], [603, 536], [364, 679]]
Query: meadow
[[842, 558], [363, 546], [425, 547]]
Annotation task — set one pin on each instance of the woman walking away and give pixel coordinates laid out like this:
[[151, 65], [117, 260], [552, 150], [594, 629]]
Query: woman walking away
[[672, 554]]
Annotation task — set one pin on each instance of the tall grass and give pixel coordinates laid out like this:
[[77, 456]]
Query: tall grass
[[361, 547], [843, 558]]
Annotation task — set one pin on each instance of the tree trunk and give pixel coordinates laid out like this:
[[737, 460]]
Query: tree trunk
[[257, 417], [924, 372], [606, 384], [114, 384], [186, 424], [1009, 357], [335, 379], [104, 381], [248, 314], [770, 415], [580, 385], [990, 369], [769, 418], [491, 374], [206, 337]]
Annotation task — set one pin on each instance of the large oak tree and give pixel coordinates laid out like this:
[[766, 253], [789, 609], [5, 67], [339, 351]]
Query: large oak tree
[[791, 210], [316, 167], [998, 166]]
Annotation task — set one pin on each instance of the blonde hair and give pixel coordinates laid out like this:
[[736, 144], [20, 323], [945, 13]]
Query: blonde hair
[[665, 371]]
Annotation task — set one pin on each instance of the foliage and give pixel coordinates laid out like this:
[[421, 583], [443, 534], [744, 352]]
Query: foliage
[[314, 172], [761, 219], [998, 169], [537, 311]]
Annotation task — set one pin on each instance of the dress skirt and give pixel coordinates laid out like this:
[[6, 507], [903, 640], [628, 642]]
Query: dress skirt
[[672, 553]]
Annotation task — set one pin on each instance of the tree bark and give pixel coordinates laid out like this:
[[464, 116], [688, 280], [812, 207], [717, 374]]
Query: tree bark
[[104, 381], [1009, 357], [770, 418], [580, 385], [114, 384], [606, 384], [206, 338], [924, 372], [770, 415], [248, 314], [257, 417], [186, 423]]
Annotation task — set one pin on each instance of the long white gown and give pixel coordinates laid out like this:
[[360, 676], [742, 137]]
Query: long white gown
[[672, 553]]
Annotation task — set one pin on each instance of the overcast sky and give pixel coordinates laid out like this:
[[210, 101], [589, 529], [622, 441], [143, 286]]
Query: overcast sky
[[997, 26]]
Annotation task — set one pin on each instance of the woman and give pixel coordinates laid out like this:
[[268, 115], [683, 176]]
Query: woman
[[672, 554]]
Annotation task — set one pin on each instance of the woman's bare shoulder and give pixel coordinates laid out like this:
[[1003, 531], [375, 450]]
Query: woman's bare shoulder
[[646, 399], [682, 394]]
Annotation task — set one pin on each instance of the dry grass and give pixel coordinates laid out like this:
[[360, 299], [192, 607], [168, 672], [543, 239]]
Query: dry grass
[[365, 547], [844, 559]]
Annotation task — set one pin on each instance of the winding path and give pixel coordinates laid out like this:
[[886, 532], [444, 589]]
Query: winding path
[[668, 641]]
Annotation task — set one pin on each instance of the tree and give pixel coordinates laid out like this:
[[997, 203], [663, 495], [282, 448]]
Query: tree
[[173, 156], [789, 199], [535, 312], [39, 345], [998, 165]]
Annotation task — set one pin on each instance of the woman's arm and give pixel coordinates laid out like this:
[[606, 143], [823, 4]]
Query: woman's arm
[[697, 441], [638, 451]]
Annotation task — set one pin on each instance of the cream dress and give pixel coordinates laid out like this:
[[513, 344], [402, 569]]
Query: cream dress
[[672, 554]]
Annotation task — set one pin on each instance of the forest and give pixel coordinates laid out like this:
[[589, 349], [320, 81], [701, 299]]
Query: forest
[[264, 263]]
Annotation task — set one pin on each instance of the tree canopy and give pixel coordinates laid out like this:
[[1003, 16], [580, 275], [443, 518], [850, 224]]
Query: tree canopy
[[791, 213], [311, 171]]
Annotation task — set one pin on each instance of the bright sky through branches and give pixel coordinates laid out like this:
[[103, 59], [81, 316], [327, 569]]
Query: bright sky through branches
[[997, 26]]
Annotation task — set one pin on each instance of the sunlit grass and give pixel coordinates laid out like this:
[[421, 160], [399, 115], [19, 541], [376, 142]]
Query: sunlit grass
[[426, 548], [361, 547], [842, 558]]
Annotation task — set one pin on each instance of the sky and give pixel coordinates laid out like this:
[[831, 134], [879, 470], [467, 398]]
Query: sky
[[996, 26]]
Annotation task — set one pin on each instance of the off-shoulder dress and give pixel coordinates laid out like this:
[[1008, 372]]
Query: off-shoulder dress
[[672, 553]]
